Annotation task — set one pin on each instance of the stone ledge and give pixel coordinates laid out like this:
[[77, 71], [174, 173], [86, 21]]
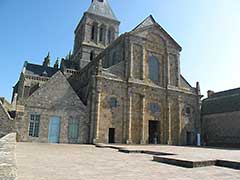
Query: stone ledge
[[228, 164], [184, 163]]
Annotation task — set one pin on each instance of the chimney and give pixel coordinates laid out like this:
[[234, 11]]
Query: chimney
[[210, 93]]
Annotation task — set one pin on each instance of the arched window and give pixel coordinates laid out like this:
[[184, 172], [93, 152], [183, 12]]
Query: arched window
[[153, 68], [92, 55], [94, 31], [111, 34], [102, 34]]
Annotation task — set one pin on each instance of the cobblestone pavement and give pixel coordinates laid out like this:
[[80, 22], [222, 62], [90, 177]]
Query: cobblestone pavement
[[83, 162]]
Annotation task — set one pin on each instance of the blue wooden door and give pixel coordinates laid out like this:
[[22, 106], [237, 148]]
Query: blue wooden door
[[54, 130]]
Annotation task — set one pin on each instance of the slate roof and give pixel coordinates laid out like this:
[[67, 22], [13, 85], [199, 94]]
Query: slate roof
[[39, 70], [70, 64], [225, 101], [102, 9]]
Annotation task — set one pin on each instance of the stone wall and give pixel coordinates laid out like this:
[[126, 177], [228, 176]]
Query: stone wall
[[6, 122], [222, 129], [8, 157]]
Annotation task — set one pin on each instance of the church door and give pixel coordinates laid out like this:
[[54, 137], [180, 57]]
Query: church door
[[154, 132], [111, 135]]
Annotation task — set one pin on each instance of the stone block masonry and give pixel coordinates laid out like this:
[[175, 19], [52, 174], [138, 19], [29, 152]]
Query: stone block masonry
[[8, 157]]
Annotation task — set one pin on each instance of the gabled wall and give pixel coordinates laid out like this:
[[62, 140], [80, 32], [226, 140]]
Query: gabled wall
[[55, 98]]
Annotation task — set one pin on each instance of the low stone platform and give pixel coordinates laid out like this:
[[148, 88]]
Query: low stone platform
[[8, 157], [188, 157], [184, 163]]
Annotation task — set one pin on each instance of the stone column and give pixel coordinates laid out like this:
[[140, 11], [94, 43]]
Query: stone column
[[129, 140], [131, 61], [180, 106], [169, 124], [167, 69], [97, 114], [143, 139]]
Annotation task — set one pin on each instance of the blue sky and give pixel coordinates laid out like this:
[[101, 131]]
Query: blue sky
[[208, 31]]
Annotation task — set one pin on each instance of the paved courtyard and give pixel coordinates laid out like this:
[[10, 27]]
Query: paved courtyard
[[86, 162]]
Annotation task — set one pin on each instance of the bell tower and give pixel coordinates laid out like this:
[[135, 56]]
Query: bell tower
[[98, 28]]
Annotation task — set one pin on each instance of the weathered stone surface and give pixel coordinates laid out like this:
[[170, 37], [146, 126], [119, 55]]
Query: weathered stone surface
[[6, 122], [222, 129], [8, 157]]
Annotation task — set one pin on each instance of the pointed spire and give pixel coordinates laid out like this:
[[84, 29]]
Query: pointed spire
[[102, 8], [46, 61], [56, 64]]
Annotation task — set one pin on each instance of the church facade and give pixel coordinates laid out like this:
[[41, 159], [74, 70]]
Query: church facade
[[111, 89]]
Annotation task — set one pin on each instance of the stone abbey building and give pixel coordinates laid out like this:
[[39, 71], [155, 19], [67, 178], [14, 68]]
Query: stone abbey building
[[111, 89]]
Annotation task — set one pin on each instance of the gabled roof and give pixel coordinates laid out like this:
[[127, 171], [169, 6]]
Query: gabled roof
[[55, 93], [150, 22], [38, 70], [146, 22], [69, 64], [221, 102], [102, 8]]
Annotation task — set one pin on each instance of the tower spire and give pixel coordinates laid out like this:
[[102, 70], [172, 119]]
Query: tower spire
[[102, 8]]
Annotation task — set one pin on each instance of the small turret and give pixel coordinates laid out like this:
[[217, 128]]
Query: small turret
[[56, 64], [46, 61]]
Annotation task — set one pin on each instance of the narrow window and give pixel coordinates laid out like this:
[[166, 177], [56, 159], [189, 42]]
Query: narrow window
[[92, 55], [34, 125], [102, 34], [153, 69], [93, 32], [111, 35]]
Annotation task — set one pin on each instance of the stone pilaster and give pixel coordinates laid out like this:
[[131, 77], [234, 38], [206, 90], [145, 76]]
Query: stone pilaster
[[131, 61], [143, 138], [169, 124], [167, 69], [129, 138], [178, 70], [180, 107], [143, 64], [97, 112]]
